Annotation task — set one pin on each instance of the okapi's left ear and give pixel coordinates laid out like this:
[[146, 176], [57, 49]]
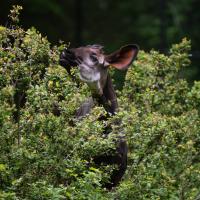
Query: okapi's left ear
[[122, 58]]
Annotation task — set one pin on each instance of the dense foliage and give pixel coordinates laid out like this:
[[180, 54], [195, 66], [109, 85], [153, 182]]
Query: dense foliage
[[45, 153]]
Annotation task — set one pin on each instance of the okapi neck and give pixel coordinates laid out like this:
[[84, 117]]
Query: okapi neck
[[109, 98]]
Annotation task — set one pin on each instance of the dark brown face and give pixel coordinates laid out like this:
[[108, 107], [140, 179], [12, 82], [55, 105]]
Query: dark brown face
[[93, 63]]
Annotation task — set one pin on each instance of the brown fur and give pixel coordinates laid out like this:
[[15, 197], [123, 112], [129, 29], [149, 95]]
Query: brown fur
[[103, 93]]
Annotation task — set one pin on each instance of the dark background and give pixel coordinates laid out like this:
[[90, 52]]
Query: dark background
[[153, 24]]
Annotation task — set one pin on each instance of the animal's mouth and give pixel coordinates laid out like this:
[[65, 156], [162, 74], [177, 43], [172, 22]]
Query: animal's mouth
[[65, 62], [67, 59]]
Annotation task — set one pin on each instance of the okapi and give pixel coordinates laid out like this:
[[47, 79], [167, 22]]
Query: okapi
[[93, 66]]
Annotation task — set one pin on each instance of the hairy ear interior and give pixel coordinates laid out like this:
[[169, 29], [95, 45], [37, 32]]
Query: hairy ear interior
[[123, 58]]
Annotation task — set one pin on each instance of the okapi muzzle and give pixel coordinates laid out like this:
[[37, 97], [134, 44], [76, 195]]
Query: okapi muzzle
[[93, 67]]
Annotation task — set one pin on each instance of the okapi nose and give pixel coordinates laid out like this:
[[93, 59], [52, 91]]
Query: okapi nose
[[67, 58], [68, 52]]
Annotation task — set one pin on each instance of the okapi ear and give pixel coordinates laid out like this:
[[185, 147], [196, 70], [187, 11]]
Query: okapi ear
[[122, 58]]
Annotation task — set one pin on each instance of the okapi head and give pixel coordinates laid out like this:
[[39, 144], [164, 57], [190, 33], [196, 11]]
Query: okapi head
[[93, 65]]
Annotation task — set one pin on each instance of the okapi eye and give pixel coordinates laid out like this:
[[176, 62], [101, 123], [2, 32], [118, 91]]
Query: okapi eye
[[94, 58]]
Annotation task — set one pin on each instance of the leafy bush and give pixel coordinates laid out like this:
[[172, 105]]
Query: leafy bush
[[45, 153]]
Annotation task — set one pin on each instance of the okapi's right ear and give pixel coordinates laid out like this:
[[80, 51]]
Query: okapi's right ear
[[122, 58]]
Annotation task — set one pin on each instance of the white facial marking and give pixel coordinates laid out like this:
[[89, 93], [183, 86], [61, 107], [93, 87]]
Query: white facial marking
[[89, 74], [101, 59], [89, 78]]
